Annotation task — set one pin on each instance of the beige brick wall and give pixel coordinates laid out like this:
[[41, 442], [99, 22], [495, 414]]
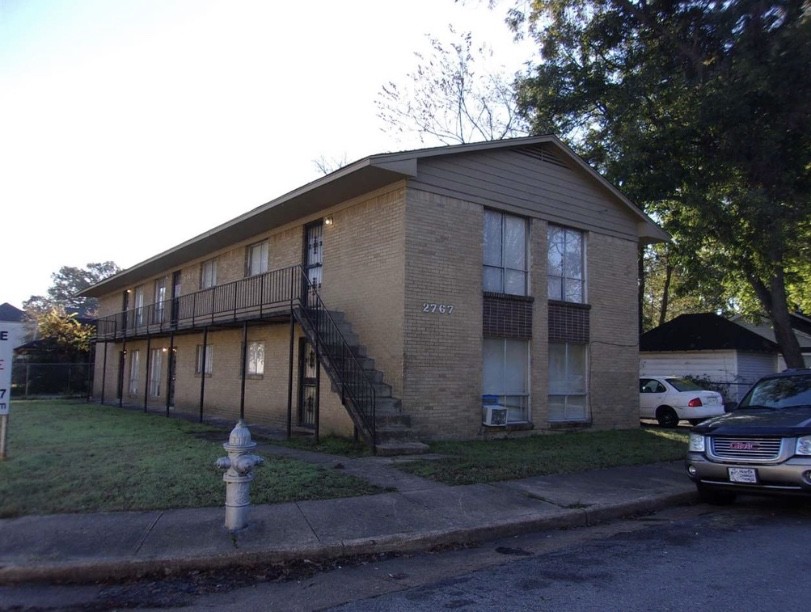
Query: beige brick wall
[[443, 351], [614, 350], [363, 275]]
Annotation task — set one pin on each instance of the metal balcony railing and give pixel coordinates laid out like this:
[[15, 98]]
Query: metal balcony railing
[[257, 297]]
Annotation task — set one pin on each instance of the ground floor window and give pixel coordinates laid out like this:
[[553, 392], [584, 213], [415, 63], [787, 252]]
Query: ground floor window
[[505, 376], [207, 367], [568, 399], [256, 358], [155, 367], [135, 366]]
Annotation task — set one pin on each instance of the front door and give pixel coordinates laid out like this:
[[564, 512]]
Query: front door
[[308, 384], [119, 390], [314, 259], [171, 377], [125, 307], [175, 297]]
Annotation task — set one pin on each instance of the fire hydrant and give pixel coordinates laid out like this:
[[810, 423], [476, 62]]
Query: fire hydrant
[[238, 466]]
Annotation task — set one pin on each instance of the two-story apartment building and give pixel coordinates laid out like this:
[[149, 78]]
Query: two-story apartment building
[[448, 292]]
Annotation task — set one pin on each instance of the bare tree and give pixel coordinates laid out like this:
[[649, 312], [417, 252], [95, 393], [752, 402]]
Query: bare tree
[[327, 165], [452, 96]]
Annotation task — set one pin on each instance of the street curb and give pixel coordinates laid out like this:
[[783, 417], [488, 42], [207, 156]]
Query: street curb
[[123, 569]]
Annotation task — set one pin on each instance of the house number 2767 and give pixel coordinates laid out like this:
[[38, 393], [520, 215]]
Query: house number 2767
[[437, 308]]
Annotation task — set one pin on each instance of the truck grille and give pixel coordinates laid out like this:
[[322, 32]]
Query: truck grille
[[746, 448]]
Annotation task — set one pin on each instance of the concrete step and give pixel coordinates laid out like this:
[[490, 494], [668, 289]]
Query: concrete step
[[389, 448]]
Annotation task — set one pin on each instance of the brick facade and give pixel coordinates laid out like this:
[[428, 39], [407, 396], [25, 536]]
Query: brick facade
[[403, 262]]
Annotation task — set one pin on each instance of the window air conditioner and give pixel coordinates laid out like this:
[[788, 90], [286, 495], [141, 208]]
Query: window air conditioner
[[494, 415]]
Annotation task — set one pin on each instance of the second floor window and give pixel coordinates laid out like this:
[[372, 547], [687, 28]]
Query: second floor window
[[257, 259], [565, 267], [505, 253], [208, 274]]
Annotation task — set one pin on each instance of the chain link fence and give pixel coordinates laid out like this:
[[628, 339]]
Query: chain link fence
[[31, 380]]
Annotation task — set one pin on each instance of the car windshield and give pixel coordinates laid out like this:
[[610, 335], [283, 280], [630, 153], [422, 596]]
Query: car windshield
[[783, 392], [682, 384]]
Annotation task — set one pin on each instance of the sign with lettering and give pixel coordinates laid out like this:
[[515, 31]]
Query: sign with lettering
[[6, 354]]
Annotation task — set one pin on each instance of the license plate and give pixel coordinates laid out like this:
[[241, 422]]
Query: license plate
[[747, 475]]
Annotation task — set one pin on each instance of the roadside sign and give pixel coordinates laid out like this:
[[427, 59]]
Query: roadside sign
[[6, 354]]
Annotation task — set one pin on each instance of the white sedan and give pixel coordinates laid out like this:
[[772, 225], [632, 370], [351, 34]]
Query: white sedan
[[670, 399]]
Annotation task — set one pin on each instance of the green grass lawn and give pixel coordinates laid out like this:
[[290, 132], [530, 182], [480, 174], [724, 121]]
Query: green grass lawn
[[479, 461], [71, 456]]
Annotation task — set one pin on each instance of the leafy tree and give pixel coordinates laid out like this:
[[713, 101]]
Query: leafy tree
[[699, 110], [452, 96], [67, 283], [64, 330]]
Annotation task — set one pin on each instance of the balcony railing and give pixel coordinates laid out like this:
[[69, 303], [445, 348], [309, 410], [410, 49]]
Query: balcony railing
[[257, 297]]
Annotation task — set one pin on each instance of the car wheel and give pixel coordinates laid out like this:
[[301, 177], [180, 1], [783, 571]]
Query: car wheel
[[714, 496], [667, 417]]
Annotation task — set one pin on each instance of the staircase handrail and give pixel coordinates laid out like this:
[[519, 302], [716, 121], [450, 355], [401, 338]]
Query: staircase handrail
[[330, 343]]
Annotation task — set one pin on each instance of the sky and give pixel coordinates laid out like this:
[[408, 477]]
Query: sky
[[130, 126]]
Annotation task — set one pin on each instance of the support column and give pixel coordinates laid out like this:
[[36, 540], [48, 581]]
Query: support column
[[146, 376], [203, 372], [170, 363], [244, 370]]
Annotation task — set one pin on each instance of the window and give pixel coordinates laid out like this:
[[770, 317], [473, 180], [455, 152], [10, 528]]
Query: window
[[160, 300], [565, 265], [135, 366], [209, 355], [208, 274], [139, 305], [255, 359], [505, 375], [567, 382], [155, 361], [505, 253], [257, 259]]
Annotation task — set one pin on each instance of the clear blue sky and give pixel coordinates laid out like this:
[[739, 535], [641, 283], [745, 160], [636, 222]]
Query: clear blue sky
[[128, 126]]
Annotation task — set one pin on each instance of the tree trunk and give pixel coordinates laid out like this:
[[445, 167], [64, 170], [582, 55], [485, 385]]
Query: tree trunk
[[774, 300], [781, 319], [665, 294]]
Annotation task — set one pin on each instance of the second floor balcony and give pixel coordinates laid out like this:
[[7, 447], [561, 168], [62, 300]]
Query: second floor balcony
[[273, 295]]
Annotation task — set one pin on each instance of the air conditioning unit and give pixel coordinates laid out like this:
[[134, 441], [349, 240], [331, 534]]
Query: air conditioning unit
[[493, 416]]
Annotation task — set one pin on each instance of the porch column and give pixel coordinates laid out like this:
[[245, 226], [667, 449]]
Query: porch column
[[203, 371]]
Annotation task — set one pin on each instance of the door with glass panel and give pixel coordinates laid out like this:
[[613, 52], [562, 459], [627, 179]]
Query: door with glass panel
[[314, 259], [308, 383]]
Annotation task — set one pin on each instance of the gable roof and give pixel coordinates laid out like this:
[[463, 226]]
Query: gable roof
[[11, 313], [353, 180], [704, 332], [765, 330]]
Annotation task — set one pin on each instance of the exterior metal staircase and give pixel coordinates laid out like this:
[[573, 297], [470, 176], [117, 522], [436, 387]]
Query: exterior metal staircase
[[376, 413]]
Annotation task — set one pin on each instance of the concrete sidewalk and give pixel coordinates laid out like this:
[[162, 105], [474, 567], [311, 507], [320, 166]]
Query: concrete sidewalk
[[419, 515]]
